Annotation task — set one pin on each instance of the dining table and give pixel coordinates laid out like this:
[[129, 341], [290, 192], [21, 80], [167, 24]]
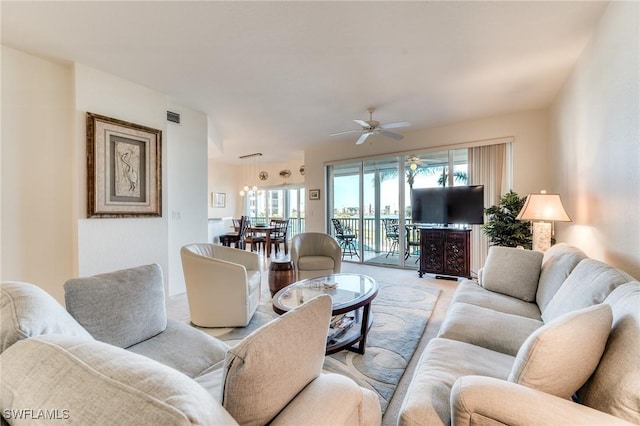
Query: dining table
[[266, 230]]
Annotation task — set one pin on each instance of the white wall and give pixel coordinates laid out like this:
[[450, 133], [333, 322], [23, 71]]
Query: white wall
[[110, 244], [37, 164], [596, 142], [46, 235], [530, 130], [228, 178], [186, 187]]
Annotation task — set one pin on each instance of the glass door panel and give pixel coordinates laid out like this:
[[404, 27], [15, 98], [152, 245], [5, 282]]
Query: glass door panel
[[344, 208], [382, 212]]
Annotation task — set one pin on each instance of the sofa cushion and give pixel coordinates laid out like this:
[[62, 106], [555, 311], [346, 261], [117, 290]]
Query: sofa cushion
[[615, 385], [557, 264], [470, 292], [176, 345], [94, 383], [559, 357], [122, 307], [487, 328], [589, 283], [26, 310], [511, 271], [268, 368], [440, 365]]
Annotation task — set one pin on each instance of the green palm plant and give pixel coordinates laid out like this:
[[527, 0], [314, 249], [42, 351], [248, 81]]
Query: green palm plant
[[502, 228]]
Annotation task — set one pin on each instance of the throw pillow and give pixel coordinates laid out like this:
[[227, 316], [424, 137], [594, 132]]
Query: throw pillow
[[26, 310], [122, 307], [267, 369], [559, 357], [87, 382], [511, 271]]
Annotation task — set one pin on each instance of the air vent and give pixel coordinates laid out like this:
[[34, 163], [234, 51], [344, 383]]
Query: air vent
[[173, 117]]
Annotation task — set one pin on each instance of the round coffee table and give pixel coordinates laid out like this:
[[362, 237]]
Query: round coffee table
[[351, 296]]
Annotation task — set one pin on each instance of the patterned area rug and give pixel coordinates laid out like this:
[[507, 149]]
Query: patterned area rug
[[400, 314]]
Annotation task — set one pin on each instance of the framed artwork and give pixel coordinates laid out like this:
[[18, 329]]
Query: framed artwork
[[124, 168], [218, 199], [314, 194]]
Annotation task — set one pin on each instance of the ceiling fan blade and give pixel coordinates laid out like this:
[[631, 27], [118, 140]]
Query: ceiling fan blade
[[395, 125], [363, 138], [362, 123], [345, 132], [391, 135]]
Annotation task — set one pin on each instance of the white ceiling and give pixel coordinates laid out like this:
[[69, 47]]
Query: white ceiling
[[279, 76]]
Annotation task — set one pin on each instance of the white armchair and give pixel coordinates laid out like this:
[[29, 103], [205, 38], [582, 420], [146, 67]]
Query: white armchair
[[223, 284], [315, 254]]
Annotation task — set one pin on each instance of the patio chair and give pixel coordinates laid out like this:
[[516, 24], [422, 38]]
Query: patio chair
[[346, 239], [392, 235]]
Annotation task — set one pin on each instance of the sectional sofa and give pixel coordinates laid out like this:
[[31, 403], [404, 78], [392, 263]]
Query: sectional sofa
[[551, 339], [114, 358]]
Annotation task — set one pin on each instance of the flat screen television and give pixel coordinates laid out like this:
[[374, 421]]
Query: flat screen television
[[448, 205]]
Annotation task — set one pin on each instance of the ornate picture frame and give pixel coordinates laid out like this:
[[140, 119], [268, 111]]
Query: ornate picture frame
[[124, 169]]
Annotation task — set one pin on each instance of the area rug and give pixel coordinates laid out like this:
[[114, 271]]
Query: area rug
[[400, 315], [411, 263]]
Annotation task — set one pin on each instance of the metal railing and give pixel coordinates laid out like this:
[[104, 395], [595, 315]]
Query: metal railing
[[374, 233]]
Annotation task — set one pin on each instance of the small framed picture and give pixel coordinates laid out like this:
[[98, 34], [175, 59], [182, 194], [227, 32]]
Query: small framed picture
[[314, 194], [218, 199]]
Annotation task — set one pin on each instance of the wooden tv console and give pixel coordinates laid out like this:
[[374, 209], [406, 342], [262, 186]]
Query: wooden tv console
[[446, 252]]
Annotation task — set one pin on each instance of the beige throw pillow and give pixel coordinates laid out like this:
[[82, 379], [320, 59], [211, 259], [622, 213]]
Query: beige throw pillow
[[511, 271], [559, 357], [267, 369]]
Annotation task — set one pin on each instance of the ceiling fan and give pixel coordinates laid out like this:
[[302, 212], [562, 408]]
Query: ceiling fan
[[372, 127]]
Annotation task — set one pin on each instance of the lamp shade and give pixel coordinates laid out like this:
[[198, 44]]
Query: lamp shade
[[543, 206]]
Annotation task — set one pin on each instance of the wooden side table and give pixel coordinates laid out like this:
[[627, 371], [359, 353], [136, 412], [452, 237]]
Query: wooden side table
[[281, 274]]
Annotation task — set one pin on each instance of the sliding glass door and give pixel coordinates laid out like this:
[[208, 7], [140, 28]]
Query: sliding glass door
[[370, 203]]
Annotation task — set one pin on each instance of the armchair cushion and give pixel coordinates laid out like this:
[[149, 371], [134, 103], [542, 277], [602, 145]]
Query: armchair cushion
[[511, 271], [26, 310], [96, 383], [267, 369], [122, 307], [315, 263], [559, 357]]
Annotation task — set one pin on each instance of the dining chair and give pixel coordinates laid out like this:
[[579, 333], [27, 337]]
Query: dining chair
[[255, 238], [279, 234], [237, 237]]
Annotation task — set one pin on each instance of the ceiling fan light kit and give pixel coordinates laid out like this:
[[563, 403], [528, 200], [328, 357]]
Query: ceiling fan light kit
[[373, 127]]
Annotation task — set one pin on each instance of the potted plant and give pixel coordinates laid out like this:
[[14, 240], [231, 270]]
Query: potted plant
[[502, 228]]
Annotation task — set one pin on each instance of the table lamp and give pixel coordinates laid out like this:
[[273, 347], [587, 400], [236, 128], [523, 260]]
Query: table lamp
[[542, 210]]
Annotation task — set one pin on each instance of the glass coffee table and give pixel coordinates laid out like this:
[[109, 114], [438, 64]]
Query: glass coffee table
[[351, 295]]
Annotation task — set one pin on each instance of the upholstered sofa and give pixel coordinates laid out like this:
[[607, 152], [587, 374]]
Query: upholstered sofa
[[541, 339], [115, 359]]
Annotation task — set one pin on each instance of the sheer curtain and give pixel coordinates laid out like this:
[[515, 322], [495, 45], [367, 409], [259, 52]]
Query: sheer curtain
[[488, 167]]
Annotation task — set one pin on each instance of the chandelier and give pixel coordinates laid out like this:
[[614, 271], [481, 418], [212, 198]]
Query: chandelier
[[249, 172]]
